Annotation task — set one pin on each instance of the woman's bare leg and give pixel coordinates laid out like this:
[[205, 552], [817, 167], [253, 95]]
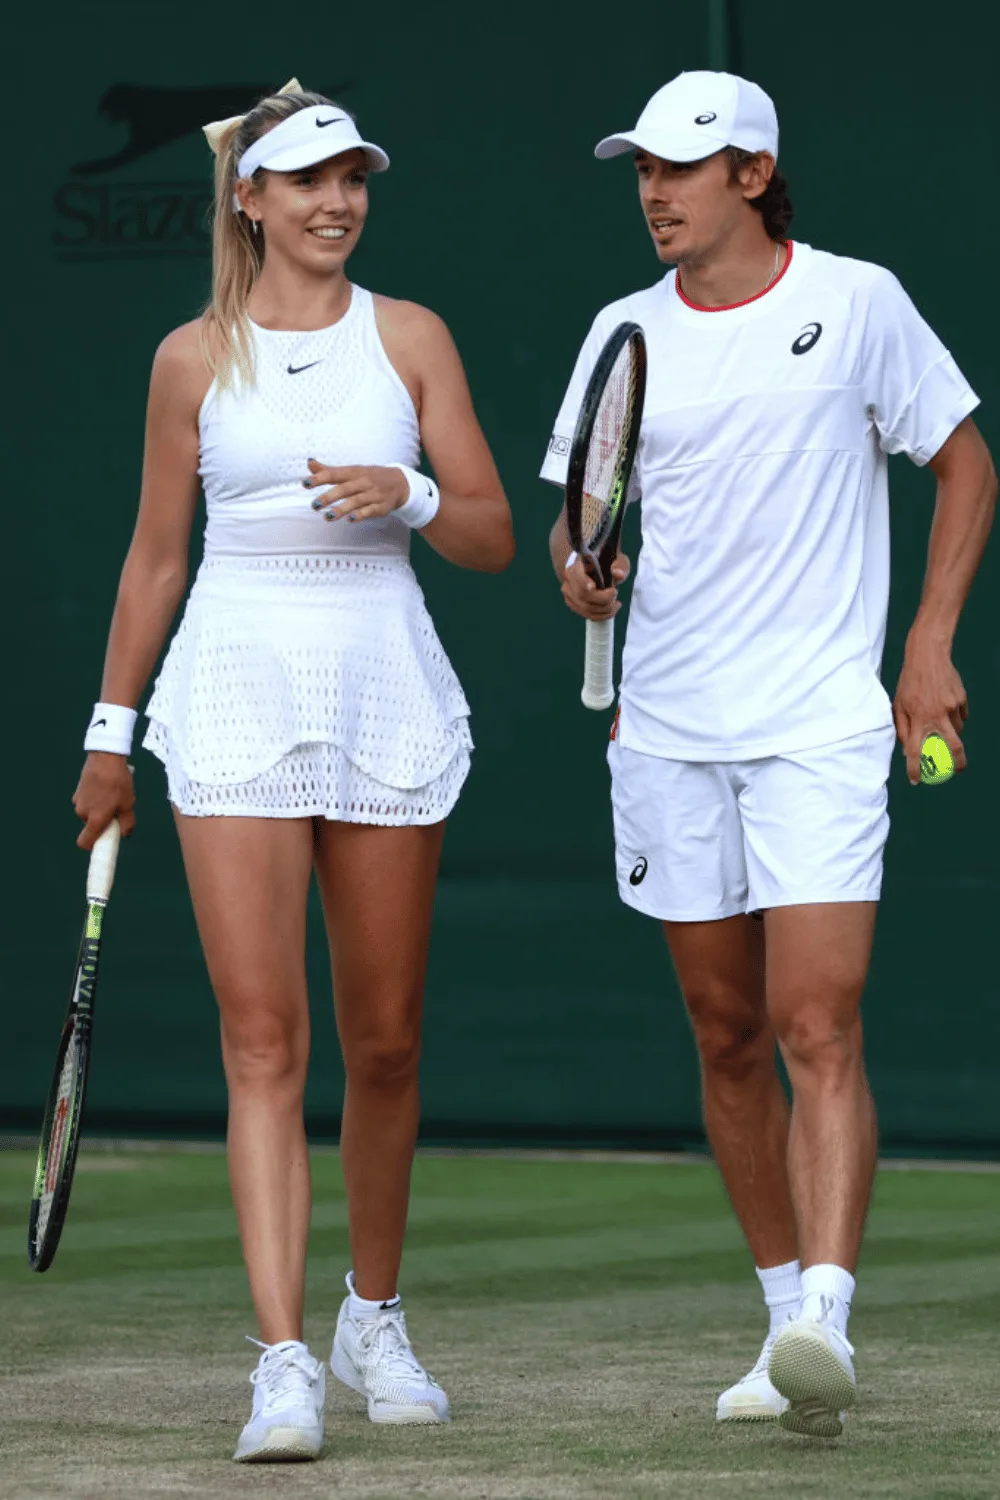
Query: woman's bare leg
[[378, 894], [249, 879]]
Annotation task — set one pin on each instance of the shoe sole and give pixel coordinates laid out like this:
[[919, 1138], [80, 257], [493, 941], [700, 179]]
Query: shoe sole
[[283, 1445], [760, 1415], [805, 1370], [392, 1416]]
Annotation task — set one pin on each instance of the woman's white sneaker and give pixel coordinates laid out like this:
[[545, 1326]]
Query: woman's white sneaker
[[373, 1355], [753, 1398], [286, 1422], [811, 1366]]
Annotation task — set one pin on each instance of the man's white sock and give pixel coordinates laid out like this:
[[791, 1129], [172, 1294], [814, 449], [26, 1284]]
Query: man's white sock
[[782, 1287], [362, 1307], [826, 1295]]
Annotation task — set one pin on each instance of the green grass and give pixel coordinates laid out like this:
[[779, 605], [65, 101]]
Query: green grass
[[582, 1315]]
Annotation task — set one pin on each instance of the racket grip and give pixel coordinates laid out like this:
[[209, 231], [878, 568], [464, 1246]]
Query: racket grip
[[103, 857], [598, 688]]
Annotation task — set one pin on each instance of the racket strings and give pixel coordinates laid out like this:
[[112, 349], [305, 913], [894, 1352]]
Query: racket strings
[[604, 477]]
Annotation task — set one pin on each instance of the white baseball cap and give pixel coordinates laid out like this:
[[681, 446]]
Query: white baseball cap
[[305, 138], [697, 114]]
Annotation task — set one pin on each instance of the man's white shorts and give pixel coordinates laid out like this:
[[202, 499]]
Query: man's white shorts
[[700, 840]]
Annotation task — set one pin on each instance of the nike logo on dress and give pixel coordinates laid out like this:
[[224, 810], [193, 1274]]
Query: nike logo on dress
[[335, 121], [297, 369]]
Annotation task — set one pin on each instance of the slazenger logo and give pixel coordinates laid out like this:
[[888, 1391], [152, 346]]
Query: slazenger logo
[[638, 873], [98, 217], [808, 338], [705, 119]]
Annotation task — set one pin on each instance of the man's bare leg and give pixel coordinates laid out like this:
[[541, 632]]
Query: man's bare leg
[[720, 967], [817, 965]]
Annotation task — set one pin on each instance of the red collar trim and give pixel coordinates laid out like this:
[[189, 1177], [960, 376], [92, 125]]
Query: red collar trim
[[731, 306]]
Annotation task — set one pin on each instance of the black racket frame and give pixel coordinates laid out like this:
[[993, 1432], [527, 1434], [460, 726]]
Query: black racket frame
[[599, 552]]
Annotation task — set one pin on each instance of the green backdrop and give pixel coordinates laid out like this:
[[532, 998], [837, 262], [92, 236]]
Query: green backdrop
[[496, 215]]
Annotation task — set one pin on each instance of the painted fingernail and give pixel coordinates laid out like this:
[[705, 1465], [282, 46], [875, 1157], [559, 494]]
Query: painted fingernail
[[316, 504], [306, 483]]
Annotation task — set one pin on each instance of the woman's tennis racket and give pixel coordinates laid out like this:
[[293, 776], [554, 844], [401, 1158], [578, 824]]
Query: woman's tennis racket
[[64, 1106], [600, 466]]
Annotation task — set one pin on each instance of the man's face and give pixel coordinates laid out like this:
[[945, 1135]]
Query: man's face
[[691, 207]]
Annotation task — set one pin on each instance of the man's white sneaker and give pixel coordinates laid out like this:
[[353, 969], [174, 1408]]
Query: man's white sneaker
[[753, 1398], [286, 1422], [811, 1366], [373, 1355]]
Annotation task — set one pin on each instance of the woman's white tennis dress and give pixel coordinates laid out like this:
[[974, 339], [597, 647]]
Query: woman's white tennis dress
[[306, 679]]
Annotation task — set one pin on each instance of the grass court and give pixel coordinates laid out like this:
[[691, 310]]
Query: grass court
[[583, 1316]]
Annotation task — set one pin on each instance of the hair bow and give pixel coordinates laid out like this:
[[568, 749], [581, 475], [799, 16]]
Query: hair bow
[[218, 129]]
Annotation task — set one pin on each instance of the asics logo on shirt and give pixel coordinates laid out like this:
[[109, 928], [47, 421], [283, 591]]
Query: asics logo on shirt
[[808, 338], [638, 874], [705, 119], [297, 369]]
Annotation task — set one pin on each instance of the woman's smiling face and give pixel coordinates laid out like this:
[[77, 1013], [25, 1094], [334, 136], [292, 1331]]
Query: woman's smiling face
[[312, 217]]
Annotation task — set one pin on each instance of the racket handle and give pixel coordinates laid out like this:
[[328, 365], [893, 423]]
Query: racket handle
[[598, 688], [103, 857]]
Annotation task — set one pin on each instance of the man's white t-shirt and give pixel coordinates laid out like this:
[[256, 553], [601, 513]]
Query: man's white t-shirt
[[758, 613]]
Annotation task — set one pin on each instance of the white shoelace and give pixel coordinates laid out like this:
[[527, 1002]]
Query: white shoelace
[[281, 1372], [826, 1305], [763, 1358], [383, 1342]]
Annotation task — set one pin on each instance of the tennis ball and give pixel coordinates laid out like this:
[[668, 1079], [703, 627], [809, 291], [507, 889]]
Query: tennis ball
[[936, 764]]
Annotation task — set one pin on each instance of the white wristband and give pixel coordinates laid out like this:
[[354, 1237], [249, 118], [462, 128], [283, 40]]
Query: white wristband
[[421, 504], [111, 728]]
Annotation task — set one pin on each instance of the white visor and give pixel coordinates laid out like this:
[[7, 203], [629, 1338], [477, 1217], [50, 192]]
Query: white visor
[[305, 138]]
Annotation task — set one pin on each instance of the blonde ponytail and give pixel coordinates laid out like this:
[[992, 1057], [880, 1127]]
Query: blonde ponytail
[[237, 246]]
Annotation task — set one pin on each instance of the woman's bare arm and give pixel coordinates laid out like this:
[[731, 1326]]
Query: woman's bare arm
[[155, 572], [473, 526]]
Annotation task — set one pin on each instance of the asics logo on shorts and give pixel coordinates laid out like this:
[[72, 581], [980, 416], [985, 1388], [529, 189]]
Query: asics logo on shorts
[[638, 874], [808, 338]]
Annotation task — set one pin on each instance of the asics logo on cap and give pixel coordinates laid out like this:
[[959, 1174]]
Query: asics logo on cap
[[808, 338], [706, 119]]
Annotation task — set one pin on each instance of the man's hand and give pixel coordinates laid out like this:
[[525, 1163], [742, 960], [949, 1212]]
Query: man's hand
[[930, 699], [583, 596]]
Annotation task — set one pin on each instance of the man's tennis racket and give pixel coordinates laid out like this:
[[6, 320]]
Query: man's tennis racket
[[600, 466], [64, 1106]]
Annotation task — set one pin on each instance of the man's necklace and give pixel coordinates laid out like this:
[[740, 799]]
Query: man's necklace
[[767, 283]]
